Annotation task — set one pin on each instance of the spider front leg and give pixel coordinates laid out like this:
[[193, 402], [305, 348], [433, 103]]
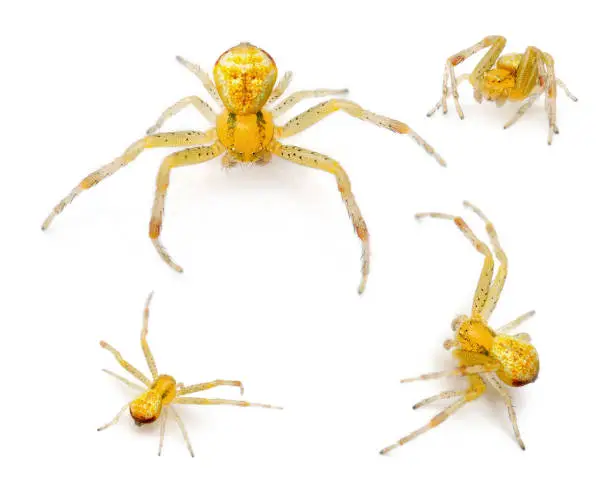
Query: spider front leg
[[190, 156], [280, 88], [318, 112], [496, 44], [143, 339], [201, 106], [177, 139], [203, 77], [477, 387], [204, 386], [127, 366], [321, 162], [298, 96]]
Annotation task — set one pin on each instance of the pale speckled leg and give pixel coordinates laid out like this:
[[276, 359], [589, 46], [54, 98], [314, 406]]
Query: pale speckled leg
[[176, 139], [461, 371], [280, 88], [200, 105], [321, 162], [203, 77], [486, 274], [551, 96], [128, 367], [181, 425], [515, 323], [298, 96], [442, 101], [502, 272], [190, 156], [162, 430], [524, 108], [564, 87], [115, 418], [442, 396], [496, 44], [124, 380], [204, 386], [313, 115], [477, 387], [143, 338], [217, 401], [503, 391]]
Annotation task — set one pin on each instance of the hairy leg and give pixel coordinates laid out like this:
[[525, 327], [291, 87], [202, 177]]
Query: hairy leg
[[128, 367], [181, 425], [190, 156], [204, 386], [502, 272], [486, 274], [515, 323], [321, 162], [477, 387], [503, 391], [280, 88], [298, 96], [318, 112], [115, 418], [177, 139], [124, 380], [143, 338], [162, 430], [217, 401], [496, 44], [200, 105], [203, 77]]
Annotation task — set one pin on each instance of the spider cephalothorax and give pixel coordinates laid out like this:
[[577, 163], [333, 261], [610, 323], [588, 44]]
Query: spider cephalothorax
[[485, 356], [498, 78], [160, 394], [244, 131]]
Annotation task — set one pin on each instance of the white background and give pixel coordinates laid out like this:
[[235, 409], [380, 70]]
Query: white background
[[272, 264]]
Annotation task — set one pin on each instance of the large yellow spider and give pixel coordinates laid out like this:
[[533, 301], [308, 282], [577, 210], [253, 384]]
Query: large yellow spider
[[162, 391], [513, 76], [484, 355], [244, 132]]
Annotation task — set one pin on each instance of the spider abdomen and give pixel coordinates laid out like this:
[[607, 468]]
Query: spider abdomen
[[148, 406], [519, 360]]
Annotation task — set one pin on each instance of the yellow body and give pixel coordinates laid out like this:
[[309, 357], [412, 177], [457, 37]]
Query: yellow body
[[518, 360], [244, 132], [505, 82], [148, 406]]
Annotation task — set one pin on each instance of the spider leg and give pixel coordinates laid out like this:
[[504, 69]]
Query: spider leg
[[203, 77], [551, 96], [486, 274], [181, 425], [190, 156], [524, 108], [313, 115], [441, 102], [217, 401], [128, 367], [162, 430], [442, 396], [503, 391], [177, 139], [124, 380], [496, 44], [470, 363], [196, 388], [502, 272], [280, 88], [201, 106], [477, 387], [566, 89], [143, 338], [298, 96], [115, 418], [321, 162], [515, 323]]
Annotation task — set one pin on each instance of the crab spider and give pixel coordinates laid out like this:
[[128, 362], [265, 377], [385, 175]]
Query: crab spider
[[498, 78], [245, 132], [485, 356], [161, 392]]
